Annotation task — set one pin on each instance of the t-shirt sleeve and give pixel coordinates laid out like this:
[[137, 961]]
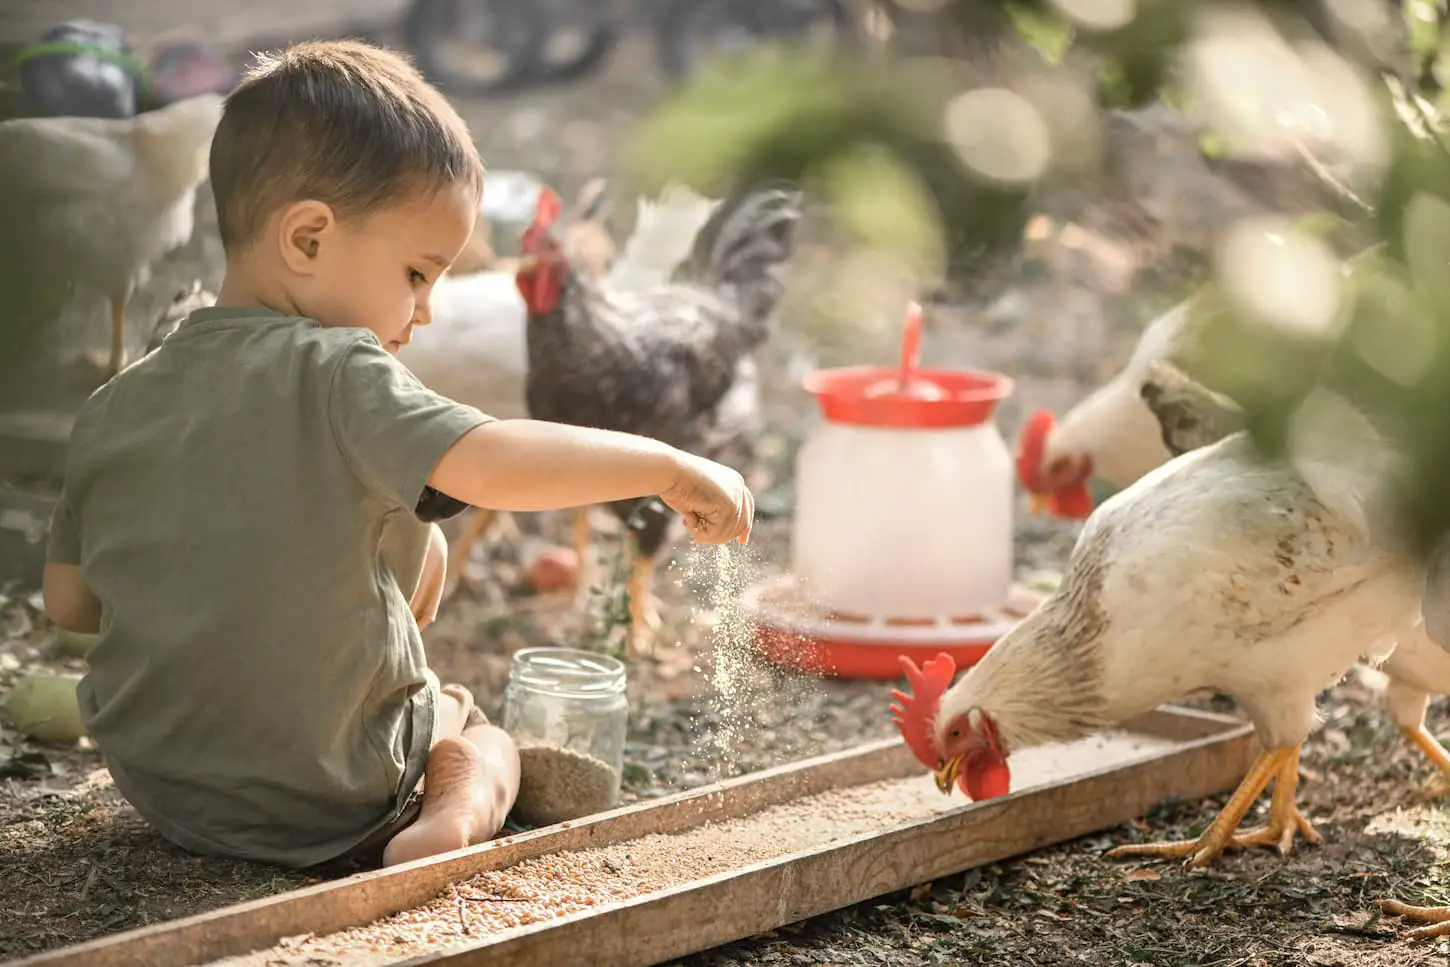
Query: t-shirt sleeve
[[392, 430], [64, 546]]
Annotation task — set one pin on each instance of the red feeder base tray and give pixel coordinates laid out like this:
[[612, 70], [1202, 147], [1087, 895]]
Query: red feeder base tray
[[792, 633]]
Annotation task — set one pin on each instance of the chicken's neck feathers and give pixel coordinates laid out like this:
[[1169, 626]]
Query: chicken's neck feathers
[[1036, 694]]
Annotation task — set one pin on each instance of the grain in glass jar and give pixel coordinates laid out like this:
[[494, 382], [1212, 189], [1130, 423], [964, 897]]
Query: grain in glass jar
[[567, 711]]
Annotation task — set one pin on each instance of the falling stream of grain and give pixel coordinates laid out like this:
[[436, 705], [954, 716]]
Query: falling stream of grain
[[726, 570]]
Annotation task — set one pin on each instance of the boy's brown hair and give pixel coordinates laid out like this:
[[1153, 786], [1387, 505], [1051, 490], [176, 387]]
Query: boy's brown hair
[[340, 122]]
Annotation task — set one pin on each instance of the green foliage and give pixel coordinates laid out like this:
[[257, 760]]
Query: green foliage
[[868, 135], [852, 128]]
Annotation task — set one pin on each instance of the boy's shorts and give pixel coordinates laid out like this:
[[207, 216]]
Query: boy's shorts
[[370, 851]]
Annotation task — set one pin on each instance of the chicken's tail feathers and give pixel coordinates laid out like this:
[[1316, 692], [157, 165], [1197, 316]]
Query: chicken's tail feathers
[[167, 134], [744, 249], [665, 229], [750, 233]]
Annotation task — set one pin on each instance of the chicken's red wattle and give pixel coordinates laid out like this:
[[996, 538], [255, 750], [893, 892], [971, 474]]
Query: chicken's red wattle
[[1074, 501]]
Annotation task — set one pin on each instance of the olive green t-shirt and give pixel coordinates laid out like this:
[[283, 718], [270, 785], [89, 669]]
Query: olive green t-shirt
[[241, 502]]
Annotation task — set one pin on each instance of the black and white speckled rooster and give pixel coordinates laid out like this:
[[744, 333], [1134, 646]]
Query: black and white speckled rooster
[[674, 361]]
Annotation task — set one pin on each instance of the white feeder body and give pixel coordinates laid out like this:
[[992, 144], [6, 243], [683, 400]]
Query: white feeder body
[[899, 522]]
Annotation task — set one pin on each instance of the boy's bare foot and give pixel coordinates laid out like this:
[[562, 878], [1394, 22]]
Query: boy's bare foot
[[454, 804]]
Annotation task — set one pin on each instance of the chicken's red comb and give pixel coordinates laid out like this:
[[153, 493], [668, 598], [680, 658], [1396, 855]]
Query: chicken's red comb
[[1030, 448], [546, 211], [916, 712]]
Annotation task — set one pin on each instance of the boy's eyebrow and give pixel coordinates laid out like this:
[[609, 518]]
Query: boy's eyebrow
[[438, 260]]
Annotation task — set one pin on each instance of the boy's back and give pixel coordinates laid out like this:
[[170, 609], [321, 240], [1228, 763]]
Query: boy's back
[[233, 489]]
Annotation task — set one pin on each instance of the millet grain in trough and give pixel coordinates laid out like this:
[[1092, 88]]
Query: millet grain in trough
[[559, 884], [557, 784]]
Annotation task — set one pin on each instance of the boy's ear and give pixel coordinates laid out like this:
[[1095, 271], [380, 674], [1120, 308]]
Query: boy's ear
[[302, 230]]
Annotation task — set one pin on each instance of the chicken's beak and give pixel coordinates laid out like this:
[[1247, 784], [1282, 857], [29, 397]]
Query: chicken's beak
[[946, 774], [1038, 503], [527, 263]]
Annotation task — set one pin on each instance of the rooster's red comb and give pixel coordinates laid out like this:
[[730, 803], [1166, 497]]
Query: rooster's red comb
[[916, 712], [1030, 447], [546, 211]]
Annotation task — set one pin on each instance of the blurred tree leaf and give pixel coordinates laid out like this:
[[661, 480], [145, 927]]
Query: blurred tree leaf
[[1048, 33], [793, 115]]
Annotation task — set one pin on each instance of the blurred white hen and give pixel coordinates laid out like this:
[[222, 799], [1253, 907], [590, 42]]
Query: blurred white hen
[[91, 203], [474, 350]]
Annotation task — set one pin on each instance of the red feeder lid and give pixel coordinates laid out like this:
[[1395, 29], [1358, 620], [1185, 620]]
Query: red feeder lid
[[908, 396]]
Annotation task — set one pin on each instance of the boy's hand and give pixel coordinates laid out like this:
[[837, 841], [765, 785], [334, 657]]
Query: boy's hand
[[712, 499]]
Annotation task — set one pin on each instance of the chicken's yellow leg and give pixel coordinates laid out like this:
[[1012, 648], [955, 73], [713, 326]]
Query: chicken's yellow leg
[[1421, 739], [1285, 819], [584, 577], [1438, 918], [1280, 766], [644, 616], [581, 534], [118, 334], [473, 527]]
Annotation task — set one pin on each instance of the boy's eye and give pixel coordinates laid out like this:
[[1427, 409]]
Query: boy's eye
[[417, 278]]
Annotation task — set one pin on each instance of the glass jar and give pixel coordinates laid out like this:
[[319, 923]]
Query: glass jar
[[567, 711]]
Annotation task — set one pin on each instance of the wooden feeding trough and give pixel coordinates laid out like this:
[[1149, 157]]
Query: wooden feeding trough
[[902, 537], [786, 844]]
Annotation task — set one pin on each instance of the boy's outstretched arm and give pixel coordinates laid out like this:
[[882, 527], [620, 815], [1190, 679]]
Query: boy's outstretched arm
[[69, 601], [531, 465]]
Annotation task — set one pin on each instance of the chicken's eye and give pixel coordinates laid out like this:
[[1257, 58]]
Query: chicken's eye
[[955, 733]]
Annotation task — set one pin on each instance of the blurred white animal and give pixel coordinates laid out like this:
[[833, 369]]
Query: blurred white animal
[[91, 203]]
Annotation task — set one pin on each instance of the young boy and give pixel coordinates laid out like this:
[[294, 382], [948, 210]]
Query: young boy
[[238, 518]]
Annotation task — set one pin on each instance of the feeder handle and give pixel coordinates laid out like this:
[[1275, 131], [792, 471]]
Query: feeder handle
[[911, 342]]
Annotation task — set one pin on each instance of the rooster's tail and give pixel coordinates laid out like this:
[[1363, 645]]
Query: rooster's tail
[[746, 244]]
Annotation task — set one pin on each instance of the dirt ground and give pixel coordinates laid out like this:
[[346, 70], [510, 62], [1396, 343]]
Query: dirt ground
[[76, 863]]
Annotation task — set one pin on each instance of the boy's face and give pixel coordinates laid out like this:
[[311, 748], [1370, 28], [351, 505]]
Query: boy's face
[[378, 271]]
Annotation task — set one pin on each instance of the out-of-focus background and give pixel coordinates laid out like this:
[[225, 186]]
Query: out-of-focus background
[[1045, 178]]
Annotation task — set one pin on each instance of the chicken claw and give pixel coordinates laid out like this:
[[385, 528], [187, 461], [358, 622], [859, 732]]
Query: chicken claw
[[1281, 766], [1437, 918]]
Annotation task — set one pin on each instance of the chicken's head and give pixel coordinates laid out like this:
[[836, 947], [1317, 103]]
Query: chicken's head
[[961, 749], [542, 268], [1059, 484]]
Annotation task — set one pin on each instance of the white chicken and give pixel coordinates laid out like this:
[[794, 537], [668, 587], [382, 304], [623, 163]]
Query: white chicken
[[1116, 435], [1435, 624], [475, 348], [91, 203], [1264, 581]]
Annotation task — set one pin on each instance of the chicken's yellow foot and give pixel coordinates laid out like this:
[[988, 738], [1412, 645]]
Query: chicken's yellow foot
[[1421, 739], [644, 615], [1438, 918], [1280, 766], [473, 527]]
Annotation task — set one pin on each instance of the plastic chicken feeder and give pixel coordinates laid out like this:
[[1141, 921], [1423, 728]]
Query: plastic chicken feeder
[[902, 541]]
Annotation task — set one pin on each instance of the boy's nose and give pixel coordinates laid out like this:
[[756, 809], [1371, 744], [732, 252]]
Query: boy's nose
[[422, 312]]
